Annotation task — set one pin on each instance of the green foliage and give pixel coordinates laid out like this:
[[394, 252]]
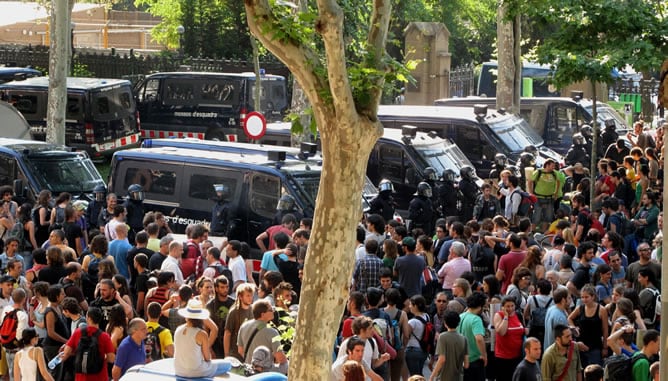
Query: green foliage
[[170, 12], [286, 331], [81, 70], [598, 35]]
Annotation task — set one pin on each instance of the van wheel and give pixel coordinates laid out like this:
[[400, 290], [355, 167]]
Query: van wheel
[[216, 134]]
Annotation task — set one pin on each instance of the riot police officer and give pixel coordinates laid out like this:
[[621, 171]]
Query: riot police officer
[[578, 151], [447, 194], [221, 215], [500, 163], [588, 133], [383, 203], [468, 191], [526, 160], [134, 207], [420, 209], [96, 205], [608, 137], [286, 205]]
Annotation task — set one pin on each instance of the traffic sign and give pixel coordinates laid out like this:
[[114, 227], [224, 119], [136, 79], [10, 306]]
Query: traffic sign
[[255, 125]]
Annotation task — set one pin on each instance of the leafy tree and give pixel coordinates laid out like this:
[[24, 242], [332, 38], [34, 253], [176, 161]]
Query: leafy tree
[[596, 36], [344, 94]]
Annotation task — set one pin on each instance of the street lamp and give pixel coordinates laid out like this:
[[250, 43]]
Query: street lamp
[[180, 30]]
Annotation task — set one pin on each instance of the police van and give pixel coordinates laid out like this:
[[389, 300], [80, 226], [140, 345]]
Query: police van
[[206, 105], [179, 183], [480, 133], [11, 73], [555, 119], [100, 115], [32, 166], [401, 155]]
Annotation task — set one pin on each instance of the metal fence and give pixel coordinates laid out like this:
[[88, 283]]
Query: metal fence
[[109, 64], [462, 81]]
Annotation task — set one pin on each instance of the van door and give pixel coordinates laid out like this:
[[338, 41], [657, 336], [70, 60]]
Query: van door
[[198, 196], [390, 161], [561, 125], [162, 189], [475, 146], [264, 191], [148, 102]]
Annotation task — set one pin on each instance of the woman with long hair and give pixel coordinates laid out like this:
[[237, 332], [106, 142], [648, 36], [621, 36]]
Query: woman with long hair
[[192, 349], [57, 331], [58, 211], [592, 321], [38, 310], [415, 356], [509, 331], [353, 371], [41, 214], [534, 262], [29, 243], [646, 219], [652, 164], [205, 289], [626, 314], [117, 325], [29, 359], [390, 253], [122, 287], [602, 279], [519, 288]]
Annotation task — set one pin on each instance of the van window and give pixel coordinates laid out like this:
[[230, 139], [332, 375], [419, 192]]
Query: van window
[[565, 125], [74, 108], [468, 139], [264, 194], [394, 166], [25, 104], [149, 93], [162, 182], [201, 186], [7, 170]]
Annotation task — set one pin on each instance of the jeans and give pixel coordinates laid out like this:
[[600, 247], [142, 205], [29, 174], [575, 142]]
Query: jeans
[[543, 211], [592, 356], [415, 358]]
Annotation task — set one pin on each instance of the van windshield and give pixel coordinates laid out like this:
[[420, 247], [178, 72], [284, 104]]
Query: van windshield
[[65, 174], [442, 156], [605, 112], [306, 184], [515, 133]]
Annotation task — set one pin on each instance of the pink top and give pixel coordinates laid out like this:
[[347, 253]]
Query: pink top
[[452, 270]]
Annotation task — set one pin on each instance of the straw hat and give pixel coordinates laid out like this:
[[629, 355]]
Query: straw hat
[[194, 310]]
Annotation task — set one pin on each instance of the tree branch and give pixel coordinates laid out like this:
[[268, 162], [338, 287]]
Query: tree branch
[[378, 29], [301, 59], [330, 27]]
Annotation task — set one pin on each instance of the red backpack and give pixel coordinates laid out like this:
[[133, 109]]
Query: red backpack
[[593, 223], [8, 330]]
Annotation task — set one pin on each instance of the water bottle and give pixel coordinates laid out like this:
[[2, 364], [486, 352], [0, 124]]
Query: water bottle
[[55, 361]]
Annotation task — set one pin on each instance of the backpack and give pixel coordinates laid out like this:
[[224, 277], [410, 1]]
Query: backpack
[[88, 359], [620, 367], [8, 330], [527, 203], [428, 335], [593, 223], [152, 344], [382, 329], [17, 232], [223, 270], [537, 327], [395, 331], [649, 310]]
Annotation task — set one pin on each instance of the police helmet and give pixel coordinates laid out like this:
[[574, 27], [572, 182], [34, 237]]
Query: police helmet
[[430, 174], [449, 175], [222, 190], [610, 125], [467, 172], [587, 131], [579, 140], [385, 185], [514, 170], [286, 203], [500, 159], [423, 189], [527, 159], [100, 191], [136, 192]]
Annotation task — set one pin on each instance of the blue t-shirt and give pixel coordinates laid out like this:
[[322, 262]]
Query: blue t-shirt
[[268, 263], [553, 317], [119, 250], [129, 354]]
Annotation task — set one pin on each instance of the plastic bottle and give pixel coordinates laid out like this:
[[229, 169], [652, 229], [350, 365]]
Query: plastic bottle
[[55, 361]]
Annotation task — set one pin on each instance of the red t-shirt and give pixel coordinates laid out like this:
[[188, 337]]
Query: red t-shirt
[[508, 263], [509, 346], [105, 345], [272, 230]]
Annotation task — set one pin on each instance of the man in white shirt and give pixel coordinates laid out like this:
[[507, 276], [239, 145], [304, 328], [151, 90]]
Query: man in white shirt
[[171, 263], [236, 264], [354, 351]]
